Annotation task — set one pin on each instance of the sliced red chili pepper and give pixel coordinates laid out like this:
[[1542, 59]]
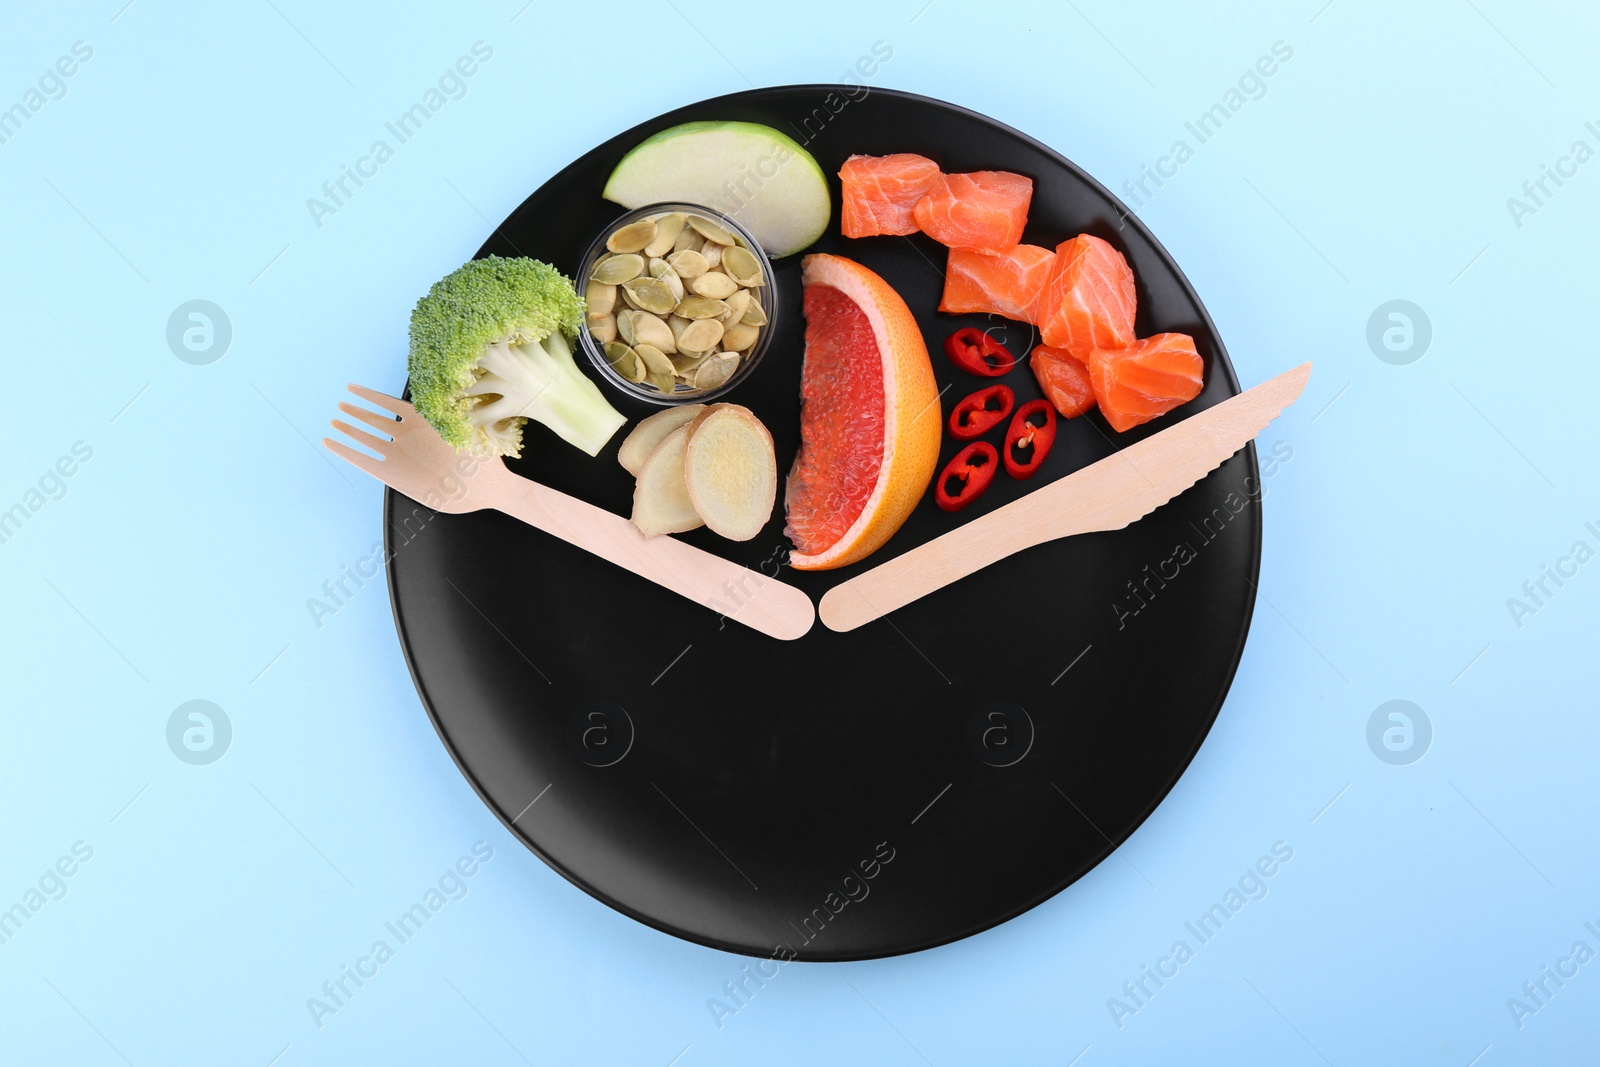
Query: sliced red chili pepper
[[1029, 438], [977, 414], [966, 476], [977, 353]]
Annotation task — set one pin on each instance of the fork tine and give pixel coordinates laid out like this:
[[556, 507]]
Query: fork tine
[[382, 400], [371, 418], [359, 460], [360, 436]]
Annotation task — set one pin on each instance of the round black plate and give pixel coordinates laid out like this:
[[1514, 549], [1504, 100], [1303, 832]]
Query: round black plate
[[853, 795]]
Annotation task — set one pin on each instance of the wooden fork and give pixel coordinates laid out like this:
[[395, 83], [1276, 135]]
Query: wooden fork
[[417, 462]]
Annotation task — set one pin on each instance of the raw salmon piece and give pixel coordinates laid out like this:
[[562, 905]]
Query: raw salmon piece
[[1008, 284], [984, 211], [1146, 379], [1064, 379], [1088, 300], [880, 193]]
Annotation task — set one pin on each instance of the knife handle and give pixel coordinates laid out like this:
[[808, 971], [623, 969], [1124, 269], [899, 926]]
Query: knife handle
[[935, 564], [1106, 495]]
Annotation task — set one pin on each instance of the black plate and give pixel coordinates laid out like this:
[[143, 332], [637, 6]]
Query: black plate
[[735, 790]]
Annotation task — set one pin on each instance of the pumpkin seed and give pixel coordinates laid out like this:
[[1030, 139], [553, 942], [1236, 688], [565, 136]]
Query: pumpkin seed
[[686, 363], [625, 326], [755, 314], [614, 270], [710, 230], [688, 239], [688, 263], [741, 265], [740, 336], [658, 368], [716, 371], [702, 335], [651, 294], [701, 307], [632, 237], [653, 331], [714, 284], [624, 361], [603, 329], [712, 253], [600, 298], [668, 227], [660, 268], [737, 303], [677, 324], [655, 360]]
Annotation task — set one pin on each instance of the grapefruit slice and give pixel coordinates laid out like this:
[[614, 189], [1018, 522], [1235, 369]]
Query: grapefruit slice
[[869, 422]]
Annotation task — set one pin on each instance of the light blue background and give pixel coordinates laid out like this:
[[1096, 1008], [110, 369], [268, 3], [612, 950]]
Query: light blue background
[[178, 564]]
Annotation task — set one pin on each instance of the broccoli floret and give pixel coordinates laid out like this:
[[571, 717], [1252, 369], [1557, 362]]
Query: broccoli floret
[[490, 348]]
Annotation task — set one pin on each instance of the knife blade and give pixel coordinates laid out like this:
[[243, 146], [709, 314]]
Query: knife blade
[[1106, 495]]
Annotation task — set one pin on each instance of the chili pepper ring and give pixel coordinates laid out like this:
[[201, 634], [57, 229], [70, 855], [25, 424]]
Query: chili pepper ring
[[966, 477], [1029, 438], [977, 413], [977, 353]]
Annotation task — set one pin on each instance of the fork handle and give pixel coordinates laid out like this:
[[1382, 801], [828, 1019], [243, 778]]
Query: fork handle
[[725, 587]]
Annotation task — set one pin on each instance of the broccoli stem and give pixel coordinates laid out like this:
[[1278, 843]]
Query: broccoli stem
[[540, 381]]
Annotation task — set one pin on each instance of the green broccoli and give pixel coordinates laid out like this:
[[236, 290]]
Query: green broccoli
[[490, 348]]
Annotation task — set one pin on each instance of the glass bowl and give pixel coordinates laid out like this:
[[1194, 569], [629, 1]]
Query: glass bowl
[[764, 294]]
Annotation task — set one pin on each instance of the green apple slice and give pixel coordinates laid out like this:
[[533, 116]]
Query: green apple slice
[[750, 172]]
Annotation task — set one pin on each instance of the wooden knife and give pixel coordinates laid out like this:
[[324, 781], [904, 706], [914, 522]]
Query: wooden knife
[[1106, 495]]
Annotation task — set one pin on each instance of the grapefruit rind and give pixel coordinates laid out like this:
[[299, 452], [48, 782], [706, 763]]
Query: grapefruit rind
[[913, 420]]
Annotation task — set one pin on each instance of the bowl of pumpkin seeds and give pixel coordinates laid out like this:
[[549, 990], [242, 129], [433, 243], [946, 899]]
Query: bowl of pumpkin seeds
[[678, 303]]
